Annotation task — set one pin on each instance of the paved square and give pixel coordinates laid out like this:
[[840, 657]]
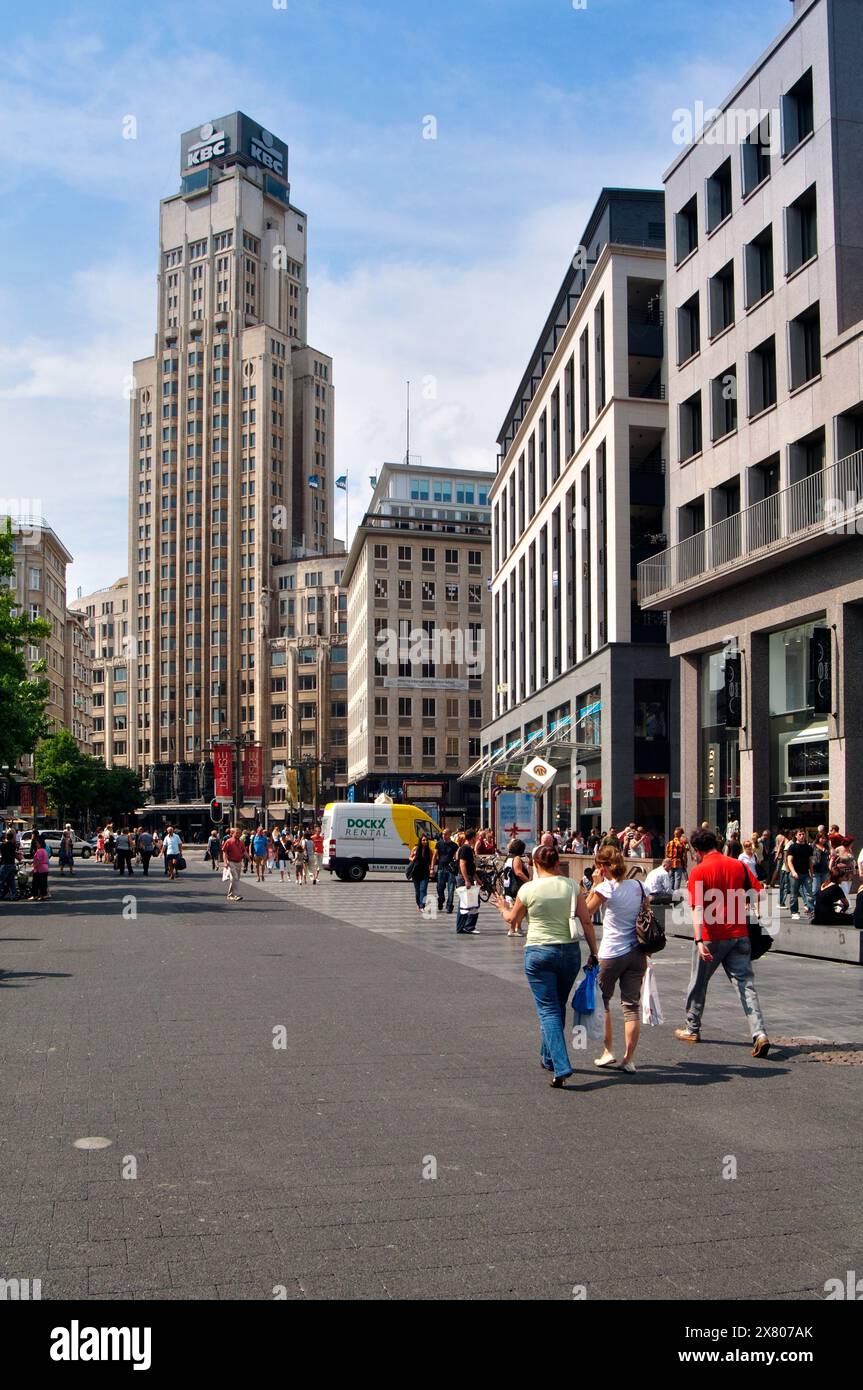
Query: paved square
[[240, 1169]]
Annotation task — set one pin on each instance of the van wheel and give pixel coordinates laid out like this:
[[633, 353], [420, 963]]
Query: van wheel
[[85, 853], [356, 872], [341, 875]]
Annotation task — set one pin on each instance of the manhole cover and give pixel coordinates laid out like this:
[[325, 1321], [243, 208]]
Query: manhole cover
[[822, 1050], [93, 1141]]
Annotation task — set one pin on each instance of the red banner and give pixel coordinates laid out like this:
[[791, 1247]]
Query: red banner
[[223, 771], [253, 773], [41, 801], [26, 799]]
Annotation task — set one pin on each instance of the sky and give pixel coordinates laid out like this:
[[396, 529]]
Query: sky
[[433, 260]]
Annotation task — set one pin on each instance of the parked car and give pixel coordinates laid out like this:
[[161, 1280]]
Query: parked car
[[81, 848]]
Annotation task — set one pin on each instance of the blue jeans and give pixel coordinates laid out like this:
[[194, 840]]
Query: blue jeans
[[784, 884], [9, 881], [818, 878], [551, 973], [797, 887], [676, 879], [735, 957], [421, 887], [446, 881]]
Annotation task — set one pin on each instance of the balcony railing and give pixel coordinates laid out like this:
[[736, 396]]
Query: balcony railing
[[826, 503]]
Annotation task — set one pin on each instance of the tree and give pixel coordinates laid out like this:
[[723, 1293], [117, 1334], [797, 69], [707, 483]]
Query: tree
[[116, 792], [22, 697], [67, 774]]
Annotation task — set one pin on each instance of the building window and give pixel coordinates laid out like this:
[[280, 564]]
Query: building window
[[689, 427], [718, 196], [804, 347], [720, 293], [429, 747], [686, 230], [801, 230], [405, 746], [688, 329], [798, 113], [723, 392], [755, 157], [758, 267], [762, 377]]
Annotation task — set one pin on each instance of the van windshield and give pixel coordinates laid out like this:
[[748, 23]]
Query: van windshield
[[426, 827]]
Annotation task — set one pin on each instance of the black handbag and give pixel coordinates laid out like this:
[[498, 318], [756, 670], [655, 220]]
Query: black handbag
[[651, 936], [759, 941]]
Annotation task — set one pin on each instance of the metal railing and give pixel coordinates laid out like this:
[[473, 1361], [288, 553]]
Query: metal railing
[[828, 501]]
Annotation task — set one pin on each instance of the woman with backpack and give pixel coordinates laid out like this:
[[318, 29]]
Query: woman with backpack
[[516, 871], [621, 960]]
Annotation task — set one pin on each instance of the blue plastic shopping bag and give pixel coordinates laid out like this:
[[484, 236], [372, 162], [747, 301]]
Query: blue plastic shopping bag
[[584, 999]]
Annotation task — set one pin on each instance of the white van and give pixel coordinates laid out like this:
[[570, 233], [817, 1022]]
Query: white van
[[363, 835]]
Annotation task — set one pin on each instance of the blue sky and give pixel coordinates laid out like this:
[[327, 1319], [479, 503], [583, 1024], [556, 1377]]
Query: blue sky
[[429, 259]]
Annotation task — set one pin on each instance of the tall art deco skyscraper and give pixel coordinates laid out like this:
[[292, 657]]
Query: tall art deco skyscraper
[[230, 458]]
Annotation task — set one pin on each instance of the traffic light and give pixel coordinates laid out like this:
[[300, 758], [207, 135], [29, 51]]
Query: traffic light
[[217, 815]]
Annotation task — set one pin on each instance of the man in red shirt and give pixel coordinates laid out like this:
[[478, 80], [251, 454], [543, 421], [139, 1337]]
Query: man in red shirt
[[719, 888]]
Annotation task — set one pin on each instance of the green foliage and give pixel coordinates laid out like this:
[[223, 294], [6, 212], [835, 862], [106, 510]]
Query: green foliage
[[79, 786], [22, 697]]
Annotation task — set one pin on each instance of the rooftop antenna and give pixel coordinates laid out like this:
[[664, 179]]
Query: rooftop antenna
[[408, 436]]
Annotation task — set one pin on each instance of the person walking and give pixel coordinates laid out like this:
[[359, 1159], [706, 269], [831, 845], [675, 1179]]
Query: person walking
[[259, 851], [798, 861], [172, 848], [233, 853], [10, 858], [100, 847], [720, 890], [316, 840], [516, 872], [124, 852], [214, 849], [281, 852], [780, 873], [465, 922], [247, 851], [842, 864], [748, 857], [146, 848], [551, 956], [40, 868], [65, 855], [420, 869], [444, 866], [820, 866], [621, 960], [300, 857]]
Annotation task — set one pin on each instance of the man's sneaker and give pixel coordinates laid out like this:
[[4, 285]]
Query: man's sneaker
[[795, 916], [761, 1045], [687, 1035], [628, 1066]]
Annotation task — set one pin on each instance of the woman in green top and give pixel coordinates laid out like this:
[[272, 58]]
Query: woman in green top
[[551, 957]]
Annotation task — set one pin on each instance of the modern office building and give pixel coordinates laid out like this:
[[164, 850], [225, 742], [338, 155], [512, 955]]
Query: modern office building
[[581, 676], [112, 659], [231, 446], [419, 678], [763, 577], [306, 720]]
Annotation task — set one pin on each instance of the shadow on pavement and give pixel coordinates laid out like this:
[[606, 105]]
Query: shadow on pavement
[[14, 979]]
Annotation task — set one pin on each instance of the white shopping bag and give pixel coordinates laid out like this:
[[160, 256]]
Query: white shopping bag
[[226, 875], [468, 898], [651, 1009], [593, 1024]]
